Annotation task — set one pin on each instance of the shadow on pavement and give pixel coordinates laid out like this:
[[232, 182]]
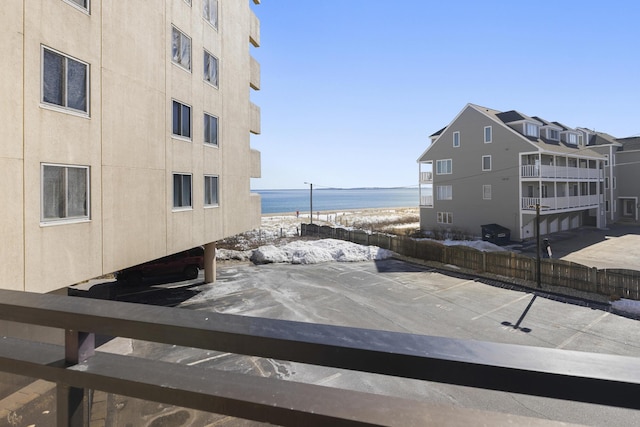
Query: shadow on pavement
[[519, 322], [160, 291], [396, 266]]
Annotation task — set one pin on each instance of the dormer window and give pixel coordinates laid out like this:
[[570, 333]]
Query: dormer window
[[531, 129], [553, 134], [572, 139]]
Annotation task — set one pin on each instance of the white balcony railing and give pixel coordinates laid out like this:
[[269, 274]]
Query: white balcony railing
[[561, 202], [426, 201], [559, 172], [426, 177]]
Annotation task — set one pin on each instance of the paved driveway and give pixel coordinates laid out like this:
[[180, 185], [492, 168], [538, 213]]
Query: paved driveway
[[615, 247]]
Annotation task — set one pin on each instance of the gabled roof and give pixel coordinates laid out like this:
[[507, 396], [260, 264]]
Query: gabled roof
[[546, 123], [560, 125], [631, 143], [538, 144], [437, 133], [510, 116], [601, 138], [541, 143]]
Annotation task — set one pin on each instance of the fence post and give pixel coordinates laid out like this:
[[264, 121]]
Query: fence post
[[593, 278], [72, 404]]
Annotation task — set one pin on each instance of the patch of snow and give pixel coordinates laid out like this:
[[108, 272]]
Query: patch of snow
[[480, 245], [626, 306], [317, 251], [231, 255]]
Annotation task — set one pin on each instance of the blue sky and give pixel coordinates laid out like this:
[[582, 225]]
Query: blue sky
[[351, 89]]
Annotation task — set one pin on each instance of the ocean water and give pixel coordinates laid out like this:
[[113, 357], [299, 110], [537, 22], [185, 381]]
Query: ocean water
[[330, 199]]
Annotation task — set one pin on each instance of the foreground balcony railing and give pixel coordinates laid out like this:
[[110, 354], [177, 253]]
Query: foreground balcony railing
[[561, 202], [570, 375]]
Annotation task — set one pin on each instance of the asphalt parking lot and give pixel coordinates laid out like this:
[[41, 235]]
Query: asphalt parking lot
[[617, 246], [388, 295], [397, 296]]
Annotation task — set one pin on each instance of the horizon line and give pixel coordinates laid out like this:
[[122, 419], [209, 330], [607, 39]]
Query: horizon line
[[338, 188]]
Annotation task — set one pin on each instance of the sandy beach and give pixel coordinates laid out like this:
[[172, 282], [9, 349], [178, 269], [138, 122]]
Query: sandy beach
[[378, 219], [358, 218], [275, 228]]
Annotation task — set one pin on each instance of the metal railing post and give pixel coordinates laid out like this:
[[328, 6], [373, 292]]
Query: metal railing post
[[72, 405]]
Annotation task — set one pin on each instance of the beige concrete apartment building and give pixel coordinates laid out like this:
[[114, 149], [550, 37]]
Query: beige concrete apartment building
[[125, 134]]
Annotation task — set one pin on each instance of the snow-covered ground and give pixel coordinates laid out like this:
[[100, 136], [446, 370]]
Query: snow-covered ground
[[626, 306], [316, 251], [280, 229], [276, 241]]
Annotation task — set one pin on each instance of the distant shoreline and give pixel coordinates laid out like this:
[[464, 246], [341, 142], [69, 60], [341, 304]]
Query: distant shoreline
[[334, 188], [337, 211]]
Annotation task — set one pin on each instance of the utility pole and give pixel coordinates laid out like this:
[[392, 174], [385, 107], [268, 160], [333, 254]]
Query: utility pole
[[310, 201], [538, 245]]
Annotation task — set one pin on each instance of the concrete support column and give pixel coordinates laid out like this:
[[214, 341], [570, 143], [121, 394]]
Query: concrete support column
[[209, 263]]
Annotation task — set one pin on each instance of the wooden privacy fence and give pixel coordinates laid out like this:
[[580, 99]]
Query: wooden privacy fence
[[609, 282]]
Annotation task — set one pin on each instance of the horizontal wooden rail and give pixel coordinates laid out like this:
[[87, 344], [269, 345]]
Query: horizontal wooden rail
[[238, 395], [576, 376]]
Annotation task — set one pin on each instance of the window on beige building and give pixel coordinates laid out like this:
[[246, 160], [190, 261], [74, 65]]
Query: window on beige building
[[210, 129], [210, 12], [65, 192], [211, 190], [210, 69], [181, 120], [180, 49], [65, 81], [84, 4], [181, 190]]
